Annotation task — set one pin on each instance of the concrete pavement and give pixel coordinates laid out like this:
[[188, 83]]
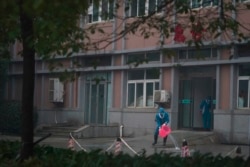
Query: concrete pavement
[[204, 142]]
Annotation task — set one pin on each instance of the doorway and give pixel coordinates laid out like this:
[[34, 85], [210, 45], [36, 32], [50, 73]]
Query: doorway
[[192, 90], [96, 100]]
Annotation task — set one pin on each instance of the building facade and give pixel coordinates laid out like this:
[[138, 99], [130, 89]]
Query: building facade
[[120, 92]]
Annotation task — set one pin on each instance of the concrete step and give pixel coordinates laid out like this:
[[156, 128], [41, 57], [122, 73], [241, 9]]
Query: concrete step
[[195, 137], [85, 131], [112, 131], [89, 131], [56, 130]]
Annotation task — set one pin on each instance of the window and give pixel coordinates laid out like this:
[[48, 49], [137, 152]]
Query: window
[[198, 53], [244, 86], [141, 87], [148, 57], [100, 10], [56, 90], [244, 50], [155, 6], [143, 7], [203, 3], [97, 61]]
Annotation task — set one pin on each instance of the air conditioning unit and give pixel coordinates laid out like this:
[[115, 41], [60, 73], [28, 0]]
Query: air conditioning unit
[[56, 90], [161, 96]]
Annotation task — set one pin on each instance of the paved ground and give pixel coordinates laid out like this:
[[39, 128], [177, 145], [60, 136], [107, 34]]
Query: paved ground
[[135, 145]]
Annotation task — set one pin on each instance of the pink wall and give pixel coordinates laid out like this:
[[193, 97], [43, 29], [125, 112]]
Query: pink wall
[[166, 75], [224, 87], [243, 17], [117, 89], [75, 93], [102, 41], [117, 60]]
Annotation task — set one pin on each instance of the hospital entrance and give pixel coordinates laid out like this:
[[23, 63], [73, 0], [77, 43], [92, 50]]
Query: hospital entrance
[[195, 84]]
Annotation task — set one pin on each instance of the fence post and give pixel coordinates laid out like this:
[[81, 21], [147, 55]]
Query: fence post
[[184, 149]]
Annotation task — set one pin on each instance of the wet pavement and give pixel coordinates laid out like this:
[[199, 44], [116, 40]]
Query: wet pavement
[[139, 144]]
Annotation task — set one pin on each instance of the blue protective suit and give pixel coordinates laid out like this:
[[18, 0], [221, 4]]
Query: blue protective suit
[[205, 107], [161, 117]]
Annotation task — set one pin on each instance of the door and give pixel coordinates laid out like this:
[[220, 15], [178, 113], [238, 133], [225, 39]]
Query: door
[[192, 92], [96, 102]]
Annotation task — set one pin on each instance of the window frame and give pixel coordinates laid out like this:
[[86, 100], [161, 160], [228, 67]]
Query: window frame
[[145, 7], [188, 55], [143, 56], [90, 17], [243, 50], [201, 4], [56, 90], [243, 78], [145, 82]]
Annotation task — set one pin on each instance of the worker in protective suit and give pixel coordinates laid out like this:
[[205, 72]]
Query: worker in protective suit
[[205, 109], [161, 118]]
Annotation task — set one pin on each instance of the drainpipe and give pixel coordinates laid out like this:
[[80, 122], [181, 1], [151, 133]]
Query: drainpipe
[[217, 89], [231, 103], [174, 84], [114, 34], [232, 85], [122, 77]]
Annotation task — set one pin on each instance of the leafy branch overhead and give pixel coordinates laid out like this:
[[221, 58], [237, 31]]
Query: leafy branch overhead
[[57, 29]]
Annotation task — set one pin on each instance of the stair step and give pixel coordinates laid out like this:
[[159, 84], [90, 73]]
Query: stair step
[[56, 130], [85, 131]]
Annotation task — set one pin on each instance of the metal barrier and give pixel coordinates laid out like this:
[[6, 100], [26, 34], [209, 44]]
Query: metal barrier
[[117, 143]]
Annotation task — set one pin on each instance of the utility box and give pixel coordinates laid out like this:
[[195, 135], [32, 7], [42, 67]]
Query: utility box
[[161, 96]]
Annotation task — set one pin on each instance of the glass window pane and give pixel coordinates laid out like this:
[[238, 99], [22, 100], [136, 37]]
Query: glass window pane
[[51, 84], [139, 57], [139, 94], [206, 3], [104, 9], [182, 54], [131, 94], [153, 74], [195, 3], [244, 69], [95, 11], [243, 93], [151, 6], [134, 8], [214, 52], [157, 87], [160, 5], [153, 56], [244, 50], [90, 18], [204, 53], [136, 75], [111, 9], [199, 54], [97, 61], [142, 7], [149, 94], [215, 2]]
